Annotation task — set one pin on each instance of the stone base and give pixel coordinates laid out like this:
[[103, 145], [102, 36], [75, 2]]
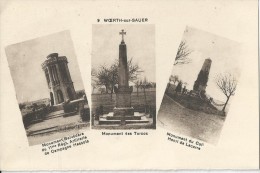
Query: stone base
[[111, 119], [126, 117], [123, 111], [57, 107], [123, 96]]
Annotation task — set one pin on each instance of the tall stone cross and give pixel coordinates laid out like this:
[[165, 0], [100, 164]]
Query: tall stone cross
[[122, 33]]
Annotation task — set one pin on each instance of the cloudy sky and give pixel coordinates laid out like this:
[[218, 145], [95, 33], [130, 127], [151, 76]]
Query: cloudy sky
[[140, 42], [25, 61], [223, 52]]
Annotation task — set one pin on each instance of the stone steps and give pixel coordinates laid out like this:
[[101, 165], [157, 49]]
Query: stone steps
[[110, 119], [59, 115], [107, 122], [43, 131], [126, 118], [58, 107], [54, 127], [53, 116]]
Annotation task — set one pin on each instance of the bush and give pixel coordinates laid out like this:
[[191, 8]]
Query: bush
[[84, 113], [69, 107], [195, 103]]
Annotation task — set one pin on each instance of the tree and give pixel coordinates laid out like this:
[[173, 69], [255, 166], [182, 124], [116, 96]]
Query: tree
[[108, 75], [80, 93], [183, 53], [144, 85], [137, 85], [94, 86], [153, 84], [134, 70], [174, 79], [93, 80], [227, 83], [103, 76], [22, 106], [179, 87], [113, 77]]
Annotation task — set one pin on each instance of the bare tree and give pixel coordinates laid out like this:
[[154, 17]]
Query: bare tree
[[108, 75], [183, 53], [134, 70], [137, 85], [144, 85], [227, 83]]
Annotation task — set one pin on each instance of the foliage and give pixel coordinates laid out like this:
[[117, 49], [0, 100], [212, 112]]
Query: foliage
[[194, 103], [22, 106], [84, 112], [179, 87], [80, 93], [34, 106], [144, 84], [174, 78], [93, 80]]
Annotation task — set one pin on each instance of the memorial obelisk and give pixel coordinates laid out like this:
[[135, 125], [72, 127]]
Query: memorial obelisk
[[123, 109], [201, 83]]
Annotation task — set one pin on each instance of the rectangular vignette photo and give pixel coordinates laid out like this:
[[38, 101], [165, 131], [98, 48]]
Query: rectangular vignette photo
[[49, 88], [203, 82], [123, 77]]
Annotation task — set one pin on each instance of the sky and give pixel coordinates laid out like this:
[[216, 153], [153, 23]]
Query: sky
[[223, 52], [25, 61], [140, 42]]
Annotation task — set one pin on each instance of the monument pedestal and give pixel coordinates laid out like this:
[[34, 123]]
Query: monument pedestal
[[123, 111], [126, 113], [109, 119]]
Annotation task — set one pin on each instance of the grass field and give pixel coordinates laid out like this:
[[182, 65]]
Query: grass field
[[196, 124], [137, 101]]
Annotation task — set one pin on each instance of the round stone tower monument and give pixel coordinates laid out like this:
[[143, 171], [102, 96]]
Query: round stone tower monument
[[58, 79]]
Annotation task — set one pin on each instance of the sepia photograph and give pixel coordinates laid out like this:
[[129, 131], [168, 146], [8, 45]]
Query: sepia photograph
[[201, 86], [123, 77], [49, 88]]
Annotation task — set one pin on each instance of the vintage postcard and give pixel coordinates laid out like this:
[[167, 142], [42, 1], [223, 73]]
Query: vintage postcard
[[48, 85], [129, 85]]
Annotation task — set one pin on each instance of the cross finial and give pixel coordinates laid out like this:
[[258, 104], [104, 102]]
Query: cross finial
[[122, 33]]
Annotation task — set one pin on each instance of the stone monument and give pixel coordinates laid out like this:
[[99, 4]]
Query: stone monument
[[123, 107], [201, 83], [58, 79], [123, 110]]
